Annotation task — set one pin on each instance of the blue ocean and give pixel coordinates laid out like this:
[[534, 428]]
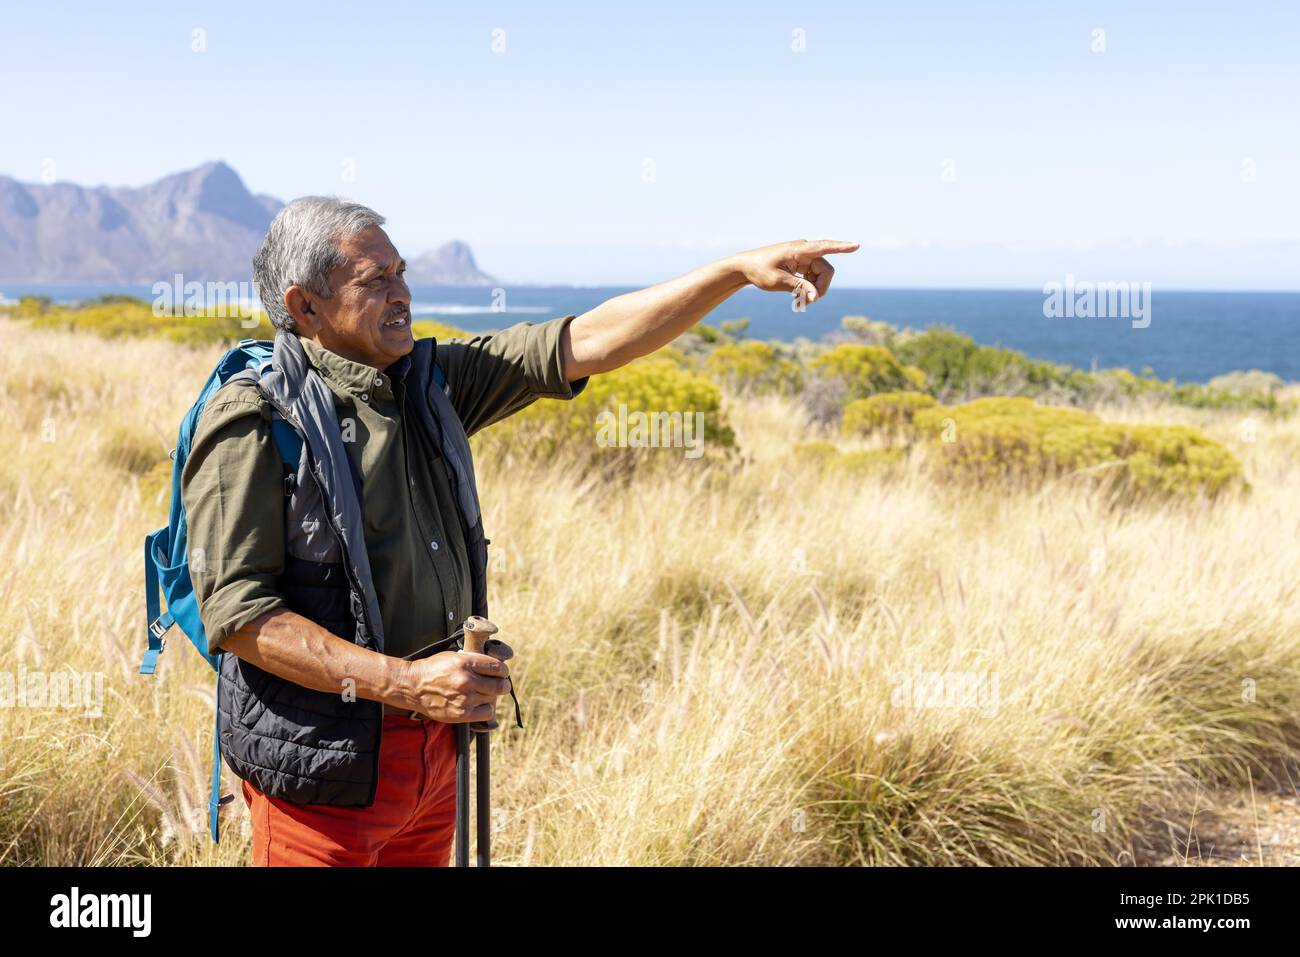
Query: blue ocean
[[1191, 337]]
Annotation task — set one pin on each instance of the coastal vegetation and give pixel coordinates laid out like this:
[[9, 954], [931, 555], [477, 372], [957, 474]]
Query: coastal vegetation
[[920, 601]]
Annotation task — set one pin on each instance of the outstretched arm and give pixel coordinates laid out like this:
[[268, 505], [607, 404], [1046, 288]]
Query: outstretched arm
[[637, 323]]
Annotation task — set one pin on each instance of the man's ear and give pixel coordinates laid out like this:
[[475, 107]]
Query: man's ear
[[306, 320]]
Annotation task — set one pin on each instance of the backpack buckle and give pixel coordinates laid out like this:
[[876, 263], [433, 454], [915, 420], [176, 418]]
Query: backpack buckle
[[156, 629]]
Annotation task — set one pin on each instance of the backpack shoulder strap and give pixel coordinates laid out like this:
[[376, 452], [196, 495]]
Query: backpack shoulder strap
[[287, 439]]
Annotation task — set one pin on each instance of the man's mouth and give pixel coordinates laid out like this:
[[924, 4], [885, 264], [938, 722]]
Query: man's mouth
[[400, 321]]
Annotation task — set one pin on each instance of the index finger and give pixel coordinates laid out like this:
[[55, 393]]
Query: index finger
[[822, 247]]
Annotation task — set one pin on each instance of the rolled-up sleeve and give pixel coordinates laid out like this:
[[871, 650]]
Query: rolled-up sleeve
[[492, 376], [232, 487]]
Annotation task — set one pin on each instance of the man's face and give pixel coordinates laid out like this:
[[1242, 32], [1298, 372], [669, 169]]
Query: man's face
[[368, 316]]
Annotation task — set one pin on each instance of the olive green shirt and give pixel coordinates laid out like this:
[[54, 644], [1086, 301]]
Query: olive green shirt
[[232, 485]]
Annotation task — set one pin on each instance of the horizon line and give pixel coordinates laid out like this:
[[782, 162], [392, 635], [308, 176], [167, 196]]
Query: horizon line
[[629, 286]]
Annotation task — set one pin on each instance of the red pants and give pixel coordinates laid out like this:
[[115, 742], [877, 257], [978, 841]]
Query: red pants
[[411, 824]]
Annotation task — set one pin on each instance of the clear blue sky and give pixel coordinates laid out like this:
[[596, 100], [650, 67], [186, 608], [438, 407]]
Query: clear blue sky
[[1126, 164]]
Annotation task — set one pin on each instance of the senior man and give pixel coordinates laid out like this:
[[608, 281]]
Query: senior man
[[318, 692]]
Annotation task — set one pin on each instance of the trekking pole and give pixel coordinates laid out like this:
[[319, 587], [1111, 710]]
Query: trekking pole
[[477, 632], [462, 795]]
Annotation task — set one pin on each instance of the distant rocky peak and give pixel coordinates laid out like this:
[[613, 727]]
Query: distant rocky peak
[[203, 223], [212, 188]]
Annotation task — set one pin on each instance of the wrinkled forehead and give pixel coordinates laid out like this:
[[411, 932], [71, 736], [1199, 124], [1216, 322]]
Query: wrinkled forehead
[[368, 250]]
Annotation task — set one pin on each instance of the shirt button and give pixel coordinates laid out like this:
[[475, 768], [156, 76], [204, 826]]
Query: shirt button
[[379, 380], [365, 396], [451, 616], [434, 546]]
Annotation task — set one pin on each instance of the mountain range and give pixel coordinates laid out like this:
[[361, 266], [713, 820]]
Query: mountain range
[[203, 223]]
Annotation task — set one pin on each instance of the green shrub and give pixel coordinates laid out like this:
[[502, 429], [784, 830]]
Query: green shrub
[[429, 328], [1122, 383], [664, 392], [753, 367], [1251, 382], [956, 367], [29, 307], [1236, 390], [870, 331], [1015, 439], [866, 370], [114, 316], [1204, 397], [706, 332], [890, 412]]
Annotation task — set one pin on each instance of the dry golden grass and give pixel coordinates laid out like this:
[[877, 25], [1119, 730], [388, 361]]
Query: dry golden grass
[[708, 656]]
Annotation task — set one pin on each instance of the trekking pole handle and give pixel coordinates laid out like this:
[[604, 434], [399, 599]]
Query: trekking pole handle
[[477, 632]]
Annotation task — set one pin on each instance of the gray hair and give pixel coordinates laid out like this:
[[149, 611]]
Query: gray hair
[[301, 249]]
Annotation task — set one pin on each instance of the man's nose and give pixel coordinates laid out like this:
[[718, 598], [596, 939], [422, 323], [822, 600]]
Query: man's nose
[[399, 291]]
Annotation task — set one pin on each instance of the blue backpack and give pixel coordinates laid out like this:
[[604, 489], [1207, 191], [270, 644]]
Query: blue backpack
[[166, 551]]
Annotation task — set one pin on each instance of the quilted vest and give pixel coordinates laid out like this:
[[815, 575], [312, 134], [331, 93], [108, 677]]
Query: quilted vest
[[291, 742]]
